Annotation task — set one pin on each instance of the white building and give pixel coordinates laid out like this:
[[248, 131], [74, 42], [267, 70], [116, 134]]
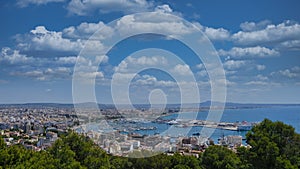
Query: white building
[[233, 140]]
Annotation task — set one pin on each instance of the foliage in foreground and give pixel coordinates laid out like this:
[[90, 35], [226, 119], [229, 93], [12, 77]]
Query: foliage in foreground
[[274, 145]]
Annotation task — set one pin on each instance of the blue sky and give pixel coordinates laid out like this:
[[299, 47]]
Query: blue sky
[[258, 43]]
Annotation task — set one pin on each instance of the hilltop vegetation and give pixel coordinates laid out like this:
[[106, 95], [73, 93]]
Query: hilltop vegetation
[[274, 145]]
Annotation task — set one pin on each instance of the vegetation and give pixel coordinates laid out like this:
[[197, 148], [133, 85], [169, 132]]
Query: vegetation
[[274, 145]]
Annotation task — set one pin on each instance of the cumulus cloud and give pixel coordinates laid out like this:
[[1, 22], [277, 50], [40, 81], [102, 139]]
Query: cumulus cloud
[[288, 73], [85, 30], [182, 69], [291, 73], [135, 63], [48, 68], [66, 60], [292, 45], [214, 34], [217, 34], [25, 3], [45, 73], [153, 81], [163, 8], [234, 64], [261, 77], [41, 39], [153, 22], [263, 83], [252, 26], [13, 56], [89, 75], [270, 34], [260, 67], [80, 7], [251, 52]]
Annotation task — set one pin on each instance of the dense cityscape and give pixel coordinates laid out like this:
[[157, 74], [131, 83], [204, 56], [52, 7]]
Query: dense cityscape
[[37, 128]]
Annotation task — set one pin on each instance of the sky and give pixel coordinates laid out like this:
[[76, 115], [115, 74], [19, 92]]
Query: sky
[[42, 42]]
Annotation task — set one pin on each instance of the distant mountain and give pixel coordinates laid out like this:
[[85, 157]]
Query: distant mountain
[[203, 105]]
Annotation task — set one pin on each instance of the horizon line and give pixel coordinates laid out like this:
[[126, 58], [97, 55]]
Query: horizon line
[[145, 103]]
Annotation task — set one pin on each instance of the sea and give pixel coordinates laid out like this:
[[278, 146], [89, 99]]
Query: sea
[[288, 114]]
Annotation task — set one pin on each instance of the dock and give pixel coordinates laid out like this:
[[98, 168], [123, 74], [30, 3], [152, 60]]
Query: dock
[[217, 125]]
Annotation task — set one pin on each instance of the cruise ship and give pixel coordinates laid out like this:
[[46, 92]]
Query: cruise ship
[[244, 126]]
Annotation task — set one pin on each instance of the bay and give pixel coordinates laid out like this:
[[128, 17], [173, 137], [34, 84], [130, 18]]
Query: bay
[[287, 114]]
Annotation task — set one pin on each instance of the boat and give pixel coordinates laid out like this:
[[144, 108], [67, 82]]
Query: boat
[[196, 134], [244, 126], [172, 122]]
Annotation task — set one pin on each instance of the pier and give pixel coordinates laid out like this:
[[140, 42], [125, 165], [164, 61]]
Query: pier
[[244, 126]]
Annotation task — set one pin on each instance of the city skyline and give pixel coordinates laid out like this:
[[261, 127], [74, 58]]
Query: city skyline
[[258, 44]]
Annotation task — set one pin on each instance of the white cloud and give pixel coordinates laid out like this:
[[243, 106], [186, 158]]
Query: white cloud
[[291, 73], [53, 68], [228, 83], [217, 34], [66, 60], [230, 72], [200, 66], [144, 60], [153, 22], [234, 64], [45, 73], [42, 39], [288, 73], [202, 73], [90, 75], [270, 34], [85, 30], [153, 81], [257, 51], [25, 3], [163, 8], [182, 69], [260, 67], [80, 7], [40, 68], [13, 56], [292, 44], [136, 63], [73, 39], [214, 34], [263, 83], [252, 26], [261, 77]]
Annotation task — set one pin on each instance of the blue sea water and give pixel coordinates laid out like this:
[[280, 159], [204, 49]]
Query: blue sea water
[[287, 114]]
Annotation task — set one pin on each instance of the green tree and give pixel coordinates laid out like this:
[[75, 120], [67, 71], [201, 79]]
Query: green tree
[[14, 155], [181, 166], [40, 160], [64, 155], [219, 157], [2, 143], [243, 153], [120, 163], [274, 145], [85, 151]]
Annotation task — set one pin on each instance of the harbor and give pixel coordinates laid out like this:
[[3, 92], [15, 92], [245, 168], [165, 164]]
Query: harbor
[[238, 126]]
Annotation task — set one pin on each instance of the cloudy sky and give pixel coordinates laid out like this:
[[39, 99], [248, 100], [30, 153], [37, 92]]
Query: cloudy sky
[[258, 44]]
